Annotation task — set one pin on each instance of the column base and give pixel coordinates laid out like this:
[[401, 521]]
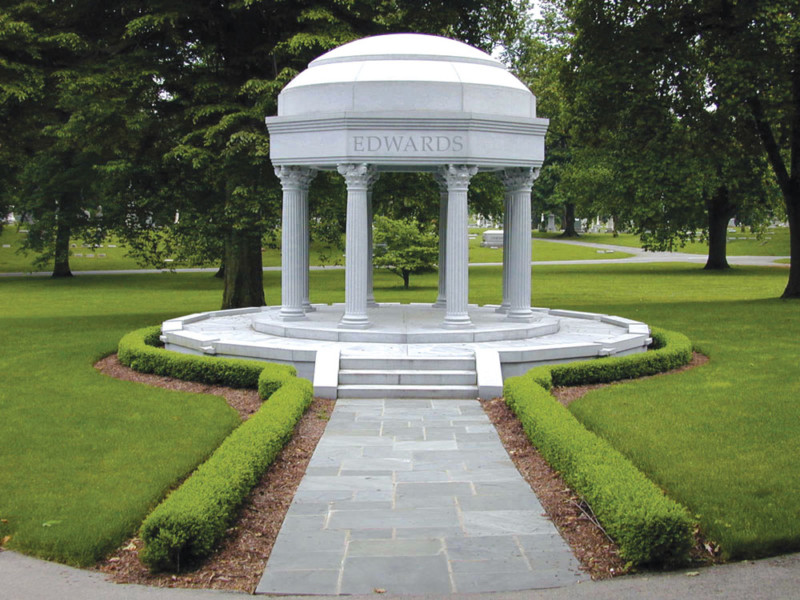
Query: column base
[[355, 322], [371, 302], [292, 314], [457, 322], [308, 308], [503, 308], [440, 303], [520, 315]]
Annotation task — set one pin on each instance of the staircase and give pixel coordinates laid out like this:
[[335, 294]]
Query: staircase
[[407, 377]]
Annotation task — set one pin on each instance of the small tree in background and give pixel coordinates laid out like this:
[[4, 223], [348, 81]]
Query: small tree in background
[[404, 246]]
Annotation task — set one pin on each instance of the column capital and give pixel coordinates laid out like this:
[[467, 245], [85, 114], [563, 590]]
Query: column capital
[[295, 178], [457, 176], [358, 175], [519, 178]]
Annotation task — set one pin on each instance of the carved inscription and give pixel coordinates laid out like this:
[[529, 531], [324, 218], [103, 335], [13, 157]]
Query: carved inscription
[[407, 144]]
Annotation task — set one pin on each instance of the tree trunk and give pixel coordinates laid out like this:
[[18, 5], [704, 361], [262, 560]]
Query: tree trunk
[[720, 210], [569, 220], [61, 251], [244, 281], [793, 214], [220, 274], [406, 277]]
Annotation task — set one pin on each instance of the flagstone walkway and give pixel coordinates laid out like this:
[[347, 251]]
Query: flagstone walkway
[[411, 497]]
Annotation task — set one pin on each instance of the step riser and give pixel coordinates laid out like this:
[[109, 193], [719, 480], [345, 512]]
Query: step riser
[[390, 392], [407, 364], [419, 378]]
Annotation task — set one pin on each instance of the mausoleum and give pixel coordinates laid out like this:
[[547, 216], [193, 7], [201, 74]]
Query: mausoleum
[[406, 102]]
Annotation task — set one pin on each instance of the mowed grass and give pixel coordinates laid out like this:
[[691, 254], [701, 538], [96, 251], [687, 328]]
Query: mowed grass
[[116, 257], [774, 241], [723, 439], [85, 456]]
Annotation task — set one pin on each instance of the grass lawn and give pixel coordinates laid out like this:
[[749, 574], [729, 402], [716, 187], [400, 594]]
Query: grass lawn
[[85, 456], [774, 242], [115, 258]]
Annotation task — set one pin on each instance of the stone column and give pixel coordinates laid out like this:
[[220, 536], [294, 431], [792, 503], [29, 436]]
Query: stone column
[[359, 177], [295, 182], [503, 308], [304, 247], [441, 298], [370, 293], [457, 275], [518, 182]]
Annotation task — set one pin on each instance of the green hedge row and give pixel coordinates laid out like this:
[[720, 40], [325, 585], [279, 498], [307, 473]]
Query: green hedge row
[[648, 527], [670, 350], [193, 519], [138, 350]]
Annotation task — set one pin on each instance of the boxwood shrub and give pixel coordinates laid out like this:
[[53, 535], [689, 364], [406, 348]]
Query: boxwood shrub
[[193, 519], [648, 527], [139, 350], [669, 350]]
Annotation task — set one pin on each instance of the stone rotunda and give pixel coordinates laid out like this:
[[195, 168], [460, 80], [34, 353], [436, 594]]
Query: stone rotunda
[[406, 102]]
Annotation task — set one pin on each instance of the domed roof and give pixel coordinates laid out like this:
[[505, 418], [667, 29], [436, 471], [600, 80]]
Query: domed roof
[[406, 72]]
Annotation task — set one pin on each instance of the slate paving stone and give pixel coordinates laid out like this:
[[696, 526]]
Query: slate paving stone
[[299, 582], [405, 574], [414, 497]]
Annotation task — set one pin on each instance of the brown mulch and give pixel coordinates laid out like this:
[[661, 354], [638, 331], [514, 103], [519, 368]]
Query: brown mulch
[[240, 562]]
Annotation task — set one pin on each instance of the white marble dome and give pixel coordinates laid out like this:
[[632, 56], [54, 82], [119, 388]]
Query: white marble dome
[[407, 72]]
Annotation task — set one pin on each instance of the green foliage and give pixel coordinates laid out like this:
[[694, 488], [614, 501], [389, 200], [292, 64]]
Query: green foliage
[[404, 246], [670, 350], [192, 520], [137, 350], [648, 527]]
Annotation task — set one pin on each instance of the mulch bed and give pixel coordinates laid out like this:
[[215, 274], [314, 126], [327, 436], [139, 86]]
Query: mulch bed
[[240, 561]]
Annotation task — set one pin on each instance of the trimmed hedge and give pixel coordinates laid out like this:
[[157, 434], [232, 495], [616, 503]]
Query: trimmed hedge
[[670, 350], [138, 351], [193, 519], [648, 527]]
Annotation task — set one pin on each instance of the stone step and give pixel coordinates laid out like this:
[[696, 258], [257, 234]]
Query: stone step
[[385, 363], [407, 377], [356, 391]]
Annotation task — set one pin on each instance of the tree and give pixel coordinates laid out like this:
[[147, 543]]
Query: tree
[[221, 66], [405, 247], [645, 80]]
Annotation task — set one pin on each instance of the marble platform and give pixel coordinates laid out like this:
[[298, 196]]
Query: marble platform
[[407, 339]]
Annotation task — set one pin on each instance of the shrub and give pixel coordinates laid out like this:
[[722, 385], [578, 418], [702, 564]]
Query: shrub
[[193, 519], [138, 351], [670, 350], [648, 527]]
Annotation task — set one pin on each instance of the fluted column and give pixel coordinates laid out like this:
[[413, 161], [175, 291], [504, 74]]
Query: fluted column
[[305, 239], [295, 182], [518, 183], [358, 178], [503, 308], [370, 292], [457, 260], [441, 298]]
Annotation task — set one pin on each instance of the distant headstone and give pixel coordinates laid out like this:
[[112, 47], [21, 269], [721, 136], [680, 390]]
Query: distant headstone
[[492, 238], [551, 222]]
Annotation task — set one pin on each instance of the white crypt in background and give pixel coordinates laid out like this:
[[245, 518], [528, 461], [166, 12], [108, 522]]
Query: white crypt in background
[[406, 102]]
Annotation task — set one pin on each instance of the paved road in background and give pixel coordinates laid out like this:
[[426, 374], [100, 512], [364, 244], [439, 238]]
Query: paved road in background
[[639, 256]]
